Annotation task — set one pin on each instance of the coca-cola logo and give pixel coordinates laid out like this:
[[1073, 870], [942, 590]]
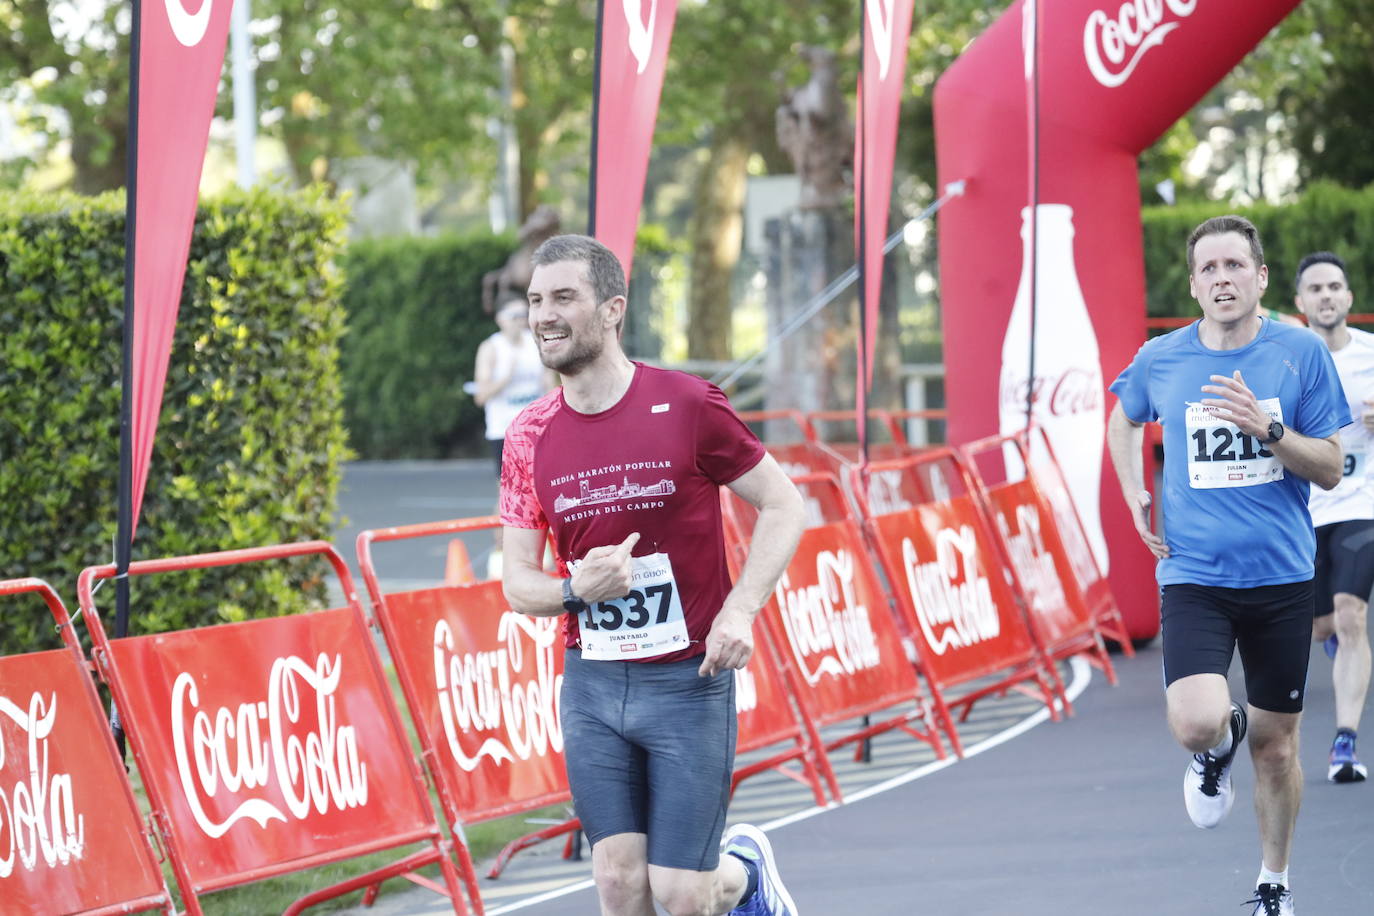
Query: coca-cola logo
[[954, 605], [1113, 47], [38, 816], [640, 32], [189, 28], [746, 690], [1034, 564], [1074, 391], [507, 697], [252, 747], [887, 492], [828, 629]]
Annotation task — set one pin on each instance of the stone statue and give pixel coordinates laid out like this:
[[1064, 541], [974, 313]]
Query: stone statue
[[814, 128], [512, 279]]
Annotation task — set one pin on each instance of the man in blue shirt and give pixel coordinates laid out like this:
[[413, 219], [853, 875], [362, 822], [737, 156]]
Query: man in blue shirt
[[1250, 410]]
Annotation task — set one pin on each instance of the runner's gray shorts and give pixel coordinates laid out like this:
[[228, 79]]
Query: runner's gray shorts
[[650, 749]]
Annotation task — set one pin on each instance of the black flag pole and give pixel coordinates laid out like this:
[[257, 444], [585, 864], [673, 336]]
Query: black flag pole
[[124, 523], [1034, 240], [596, 119]]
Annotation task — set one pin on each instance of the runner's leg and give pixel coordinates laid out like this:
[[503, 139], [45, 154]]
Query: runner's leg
[[620, 869], [699, 893], [1199, 711], [1278, 782], [1350, 672]]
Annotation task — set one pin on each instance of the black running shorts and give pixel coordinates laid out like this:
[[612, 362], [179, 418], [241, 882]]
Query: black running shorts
[[1345, 562], [1271, 624], [650, 748]]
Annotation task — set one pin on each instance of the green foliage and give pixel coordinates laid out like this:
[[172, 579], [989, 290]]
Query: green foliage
[[250, 441], [1325, 218], [415, 321]]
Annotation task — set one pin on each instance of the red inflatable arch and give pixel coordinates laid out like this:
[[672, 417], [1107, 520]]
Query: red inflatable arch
[[1114, 76]]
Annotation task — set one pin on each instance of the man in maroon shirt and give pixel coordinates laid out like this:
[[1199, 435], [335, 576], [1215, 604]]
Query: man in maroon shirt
[[623, 466]]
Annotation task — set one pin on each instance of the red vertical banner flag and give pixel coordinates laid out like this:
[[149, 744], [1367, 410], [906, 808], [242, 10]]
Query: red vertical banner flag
[[632, 52], [886, 29], [180, 56]]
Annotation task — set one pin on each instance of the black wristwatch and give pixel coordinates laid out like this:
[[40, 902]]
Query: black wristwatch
[[571, 603], [1275, 433]]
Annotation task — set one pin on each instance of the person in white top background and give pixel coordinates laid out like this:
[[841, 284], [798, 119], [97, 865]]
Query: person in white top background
[[1344, 516], [509, 373]]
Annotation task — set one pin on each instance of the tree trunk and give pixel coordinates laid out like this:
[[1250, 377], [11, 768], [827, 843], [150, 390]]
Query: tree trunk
[[100, 159], [716, 236]]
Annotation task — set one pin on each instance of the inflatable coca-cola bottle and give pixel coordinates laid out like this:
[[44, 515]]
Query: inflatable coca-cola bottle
[[1067, 389]]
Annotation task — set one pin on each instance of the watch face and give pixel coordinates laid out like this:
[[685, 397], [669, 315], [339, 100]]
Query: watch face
[[1275, 431]]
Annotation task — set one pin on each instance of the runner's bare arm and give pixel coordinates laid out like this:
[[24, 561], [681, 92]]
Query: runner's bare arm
[[1317, 460], [1125, 439], [528, 588], [781, 518], [484, 374], [603, 574]]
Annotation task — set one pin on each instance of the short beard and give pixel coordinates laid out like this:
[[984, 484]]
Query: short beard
[[576, 359], [1315, 322]]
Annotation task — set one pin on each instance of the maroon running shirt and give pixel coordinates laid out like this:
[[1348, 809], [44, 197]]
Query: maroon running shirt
[[654, 464]]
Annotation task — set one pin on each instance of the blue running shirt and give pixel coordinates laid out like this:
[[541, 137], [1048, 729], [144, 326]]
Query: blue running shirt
[[1233, 515]]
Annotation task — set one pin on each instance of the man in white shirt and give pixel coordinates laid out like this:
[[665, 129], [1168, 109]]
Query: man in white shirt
[[1343, 517]]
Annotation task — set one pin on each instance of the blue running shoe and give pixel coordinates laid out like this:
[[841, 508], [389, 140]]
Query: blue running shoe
[[1329, 644], [771, 898], [1344, 765]]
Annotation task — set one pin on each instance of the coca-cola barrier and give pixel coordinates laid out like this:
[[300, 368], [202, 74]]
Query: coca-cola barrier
[[482, 685], [270, 746], [950, 585], [1113, 77], [841, 651], [71, 840], [1036, 555]]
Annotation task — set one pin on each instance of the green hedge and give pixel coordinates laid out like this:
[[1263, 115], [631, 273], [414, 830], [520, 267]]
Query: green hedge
[[251, 438], [1326, 217], [414, 322]]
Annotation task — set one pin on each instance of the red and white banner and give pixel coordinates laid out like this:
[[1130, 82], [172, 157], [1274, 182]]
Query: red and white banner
[[268, 742], [180, 56], [886, 30], [483, 682], [70, 837], [632, 53]]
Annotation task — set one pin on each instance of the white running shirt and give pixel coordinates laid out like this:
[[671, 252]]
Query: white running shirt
[[526, 381], [1353, 497]]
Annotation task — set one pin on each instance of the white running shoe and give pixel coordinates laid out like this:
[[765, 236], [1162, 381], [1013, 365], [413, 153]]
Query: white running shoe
[[1271, 900], [1207, 792]]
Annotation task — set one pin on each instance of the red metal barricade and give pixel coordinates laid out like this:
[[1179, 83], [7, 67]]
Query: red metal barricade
[[840, 647], [71, 840], [948, 581], [1033, 551], [269, 746], [482, 685], [1090, 577]]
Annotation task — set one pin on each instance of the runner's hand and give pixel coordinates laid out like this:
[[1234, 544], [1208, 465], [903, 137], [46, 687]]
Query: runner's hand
[[1140, 514], [729, 644], [1238, 405], [604, 573], [1367, 415]]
